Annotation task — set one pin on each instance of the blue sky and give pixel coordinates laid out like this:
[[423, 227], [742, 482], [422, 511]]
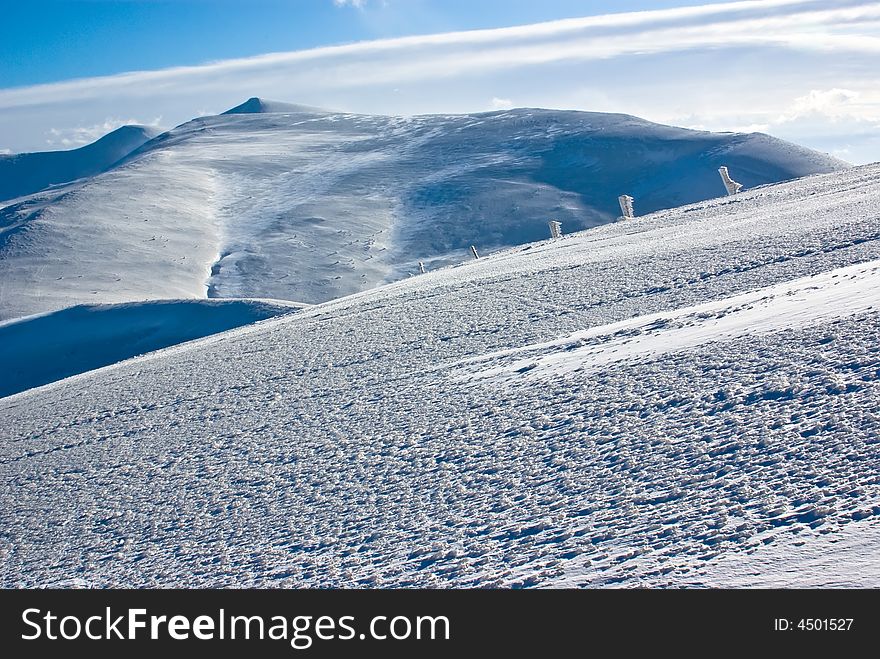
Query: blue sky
[[61, 39], [804, 70]]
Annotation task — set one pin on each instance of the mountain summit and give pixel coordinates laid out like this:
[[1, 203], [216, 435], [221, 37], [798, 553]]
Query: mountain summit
[[257, 105], [25, 173]]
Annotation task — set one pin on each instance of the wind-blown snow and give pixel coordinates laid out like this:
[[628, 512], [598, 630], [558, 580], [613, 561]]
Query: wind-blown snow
[[91, 244], [25, 173], [40, 349], [296, 204], [351, 444], [791, 305], [811, 559]]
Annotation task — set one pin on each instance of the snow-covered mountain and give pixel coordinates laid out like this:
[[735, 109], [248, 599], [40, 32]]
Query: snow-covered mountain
[[687, 398], [25, 173], [296, 203]]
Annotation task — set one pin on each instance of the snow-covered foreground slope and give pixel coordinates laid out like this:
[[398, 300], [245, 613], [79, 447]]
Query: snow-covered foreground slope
[[25, 173], [790, 305], [845, 559], [40, 349], [433, 433], [286, 202]]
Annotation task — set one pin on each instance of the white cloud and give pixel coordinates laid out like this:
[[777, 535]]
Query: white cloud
[[837, 120], [834, 104], [501, 103], [5, 152], [350, 3], [824, 101]]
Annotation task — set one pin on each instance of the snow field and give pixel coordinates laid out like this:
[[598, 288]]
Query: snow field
[[340, 446]]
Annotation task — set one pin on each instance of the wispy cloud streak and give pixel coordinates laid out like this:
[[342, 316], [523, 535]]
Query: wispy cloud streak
[[845, 25]]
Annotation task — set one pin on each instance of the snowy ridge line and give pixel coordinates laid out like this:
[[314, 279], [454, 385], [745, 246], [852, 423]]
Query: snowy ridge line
[[23, 174], [307, 310], [10, 402], [808, 300], [164, 312], [133, 303]]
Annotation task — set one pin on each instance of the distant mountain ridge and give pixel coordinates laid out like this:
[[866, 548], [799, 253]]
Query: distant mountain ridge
[[25, 173], [288, 202], [46, 347]]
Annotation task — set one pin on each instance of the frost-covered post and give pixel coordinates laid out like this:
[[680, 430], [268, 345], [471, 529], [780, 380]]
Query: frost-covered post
[[421, 267], [555, 228], [730, 185], [474, 252], [626, 206]]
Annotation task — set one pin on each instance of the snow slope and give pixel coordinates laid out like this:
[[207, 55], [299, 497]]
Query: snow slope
[[292, 203], [25, 173], [386, 439], [843, 291], [846, 559], [40, 349]]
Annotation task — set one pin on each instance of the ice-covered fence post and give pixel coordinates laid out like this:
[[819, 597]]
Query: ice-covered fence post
[[474, 252], [730, 185], [421, 267], [555, 228], [626, 206]]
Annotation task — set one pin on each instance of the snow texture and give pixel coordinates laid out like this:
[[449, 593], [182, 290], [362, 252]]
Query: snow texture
[[689, 398], [291, 203]]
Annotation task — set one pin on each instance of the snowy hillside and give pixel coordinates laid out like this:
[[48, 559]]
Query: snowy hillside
[[688, 398], [25, 173], [286, 202], [39, 349]]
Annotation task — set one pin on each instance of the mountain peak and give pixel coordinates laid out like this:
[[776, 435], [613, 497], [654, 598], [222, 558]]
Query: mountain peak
[[130, 132], [256, 105], [25, 173]]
